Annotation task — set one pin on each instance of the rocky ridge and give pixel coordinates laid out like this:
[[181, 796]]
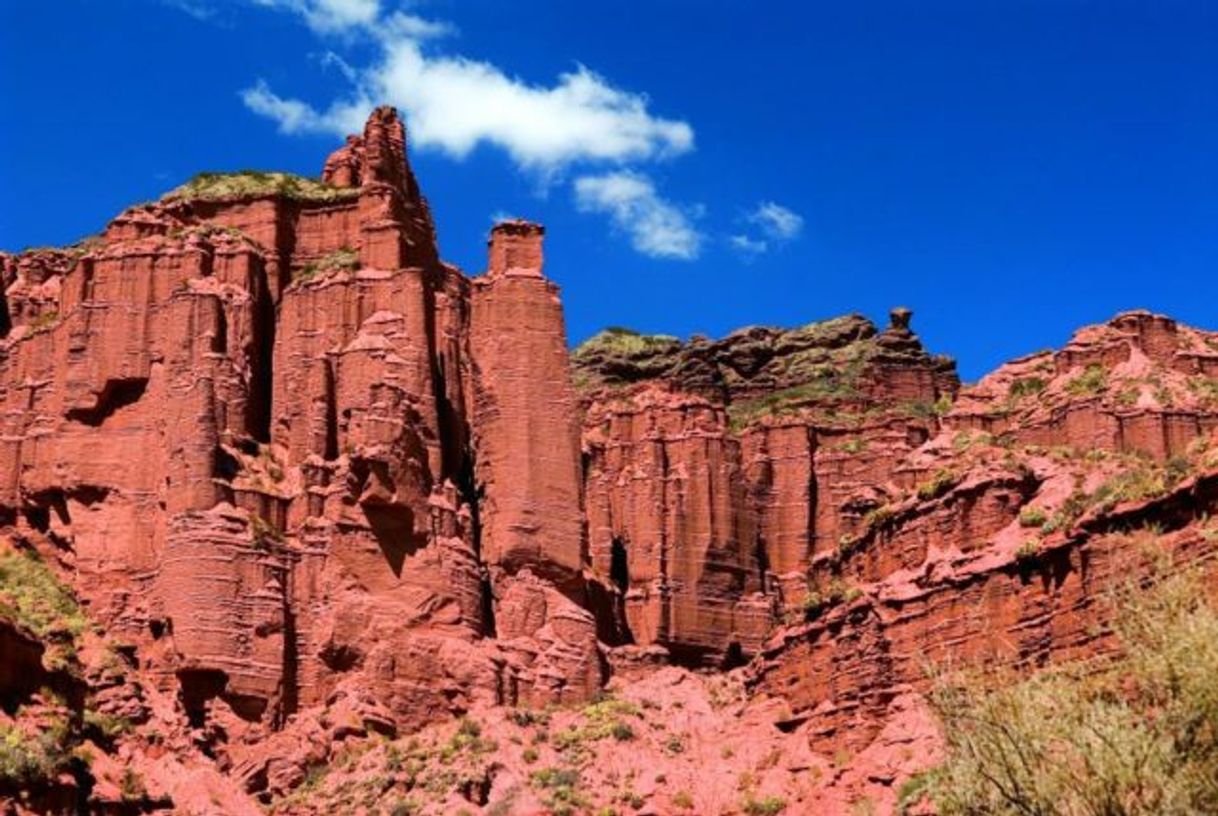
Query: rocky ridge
[[297, 515]]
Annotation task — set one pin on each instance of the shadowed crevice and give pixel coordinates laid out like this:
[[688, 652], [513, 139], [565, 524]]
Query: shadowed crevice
[[115, 395]]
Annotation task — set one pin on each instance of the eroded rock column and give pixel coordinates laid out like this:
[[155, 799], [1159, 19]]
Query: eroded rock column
[[526, 433]]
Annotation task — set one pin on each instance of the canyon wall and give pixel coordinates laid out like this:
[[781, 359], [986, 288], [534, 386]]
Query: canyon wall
[[271, 428], [311, 483]]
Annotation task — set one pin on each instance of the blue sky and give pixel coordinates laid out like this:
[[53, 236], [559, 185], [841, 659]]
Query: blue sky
[[1010, 169]]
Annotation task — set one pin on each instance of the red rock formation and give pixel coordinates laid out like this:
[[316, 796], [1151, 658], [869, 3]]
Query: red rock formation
[[1138, 383], [526, 432], [243, 411], [711, 489], [316, 486]]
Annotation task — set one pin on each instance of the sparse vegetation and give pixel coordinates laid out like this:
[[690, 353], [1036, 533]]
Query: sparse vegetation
[[879, 516], [914, 790], [342, 258], [1092, 381], [561, 790], [43, 322], [131, 786], [1032, 517], [853, 445], [266, 536], [105, 726], [1136, 483], [26, 758], [1134, 735], [838, 591], [622, 341], [767, 806], [830, 383], [1205, 389], [675, 744], [1028, 551], [940, 482], [255, 183], [1026, 387], [32, 595], [964, 440], [603, 719]]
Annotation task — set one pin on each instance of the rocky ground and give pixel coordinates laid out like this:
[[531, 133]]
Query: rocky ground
[[296, 517]]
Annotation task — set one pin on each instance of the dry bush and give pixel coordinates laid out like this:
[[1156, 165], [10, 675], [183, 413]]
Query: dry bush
[[1133, 734]]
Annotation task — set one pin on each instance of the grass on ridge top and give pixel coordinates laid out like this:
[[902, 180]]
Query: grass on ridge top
[[618, 340], [248, 183]]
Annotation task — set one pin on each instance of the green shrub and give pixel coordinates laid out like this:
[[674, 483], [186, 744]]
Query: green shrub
[[25, 760], [342, 258], [1031, 517], [1026, 386], [106, 726], [1136, 483], [131, 787], [914, 790], [813, 604], [561, 787], [1133, 736], [769, 806], [621, 341], [622, 732], [44, 321], [854, 445], [939, 483], [33, 596], [525, 717], [1206, 389], [255, 183], [1028, 551], [1093, 380], [879, 516]]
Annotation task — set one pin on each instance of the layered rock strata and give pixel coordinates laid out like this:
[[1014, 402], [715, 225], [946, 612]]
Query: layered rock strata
[[274, 431], [318, 491]]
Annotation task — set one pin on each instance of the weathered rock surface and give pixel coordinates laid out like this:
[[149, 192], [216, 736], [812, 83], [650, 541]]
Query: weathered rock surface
[[319, 493]]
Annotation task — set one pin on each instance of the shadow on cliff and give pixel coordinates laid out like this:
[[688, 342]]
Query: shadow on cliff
[[393, 528]]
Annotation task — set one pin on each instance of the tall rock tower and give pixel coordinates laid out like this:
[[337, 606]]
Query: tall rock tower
[[526, 428]]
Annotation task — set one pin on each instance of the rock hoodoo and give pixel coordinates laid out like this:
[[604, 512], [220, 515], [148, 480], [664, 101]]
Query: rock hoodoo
[[275, 480]]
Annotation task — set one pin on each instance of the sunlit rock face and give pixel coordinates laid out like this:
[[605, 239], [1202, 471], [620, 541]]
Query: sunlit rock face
[[317, 488]]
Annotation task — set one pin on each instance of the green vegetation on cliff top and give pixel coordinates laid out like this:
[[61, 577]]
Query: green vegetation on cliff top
[[254, 183]]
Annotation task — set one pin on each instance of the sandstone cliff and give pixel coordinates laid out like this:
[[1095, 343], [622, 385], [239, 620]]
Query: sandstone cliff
[[283, 495]]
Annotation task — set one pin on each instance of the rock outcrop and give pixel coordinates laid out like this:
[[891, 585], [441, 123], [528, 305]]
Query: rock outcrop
[[283, 495], [296, 456]]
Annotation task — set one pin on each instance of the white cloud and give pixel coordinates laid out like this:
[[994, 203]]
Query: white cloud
[[330, 16], [747, 245], [454, 104], [656, 227], [199, 9], [776, 221], [291, 114], [329, 59], [400, 24]]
